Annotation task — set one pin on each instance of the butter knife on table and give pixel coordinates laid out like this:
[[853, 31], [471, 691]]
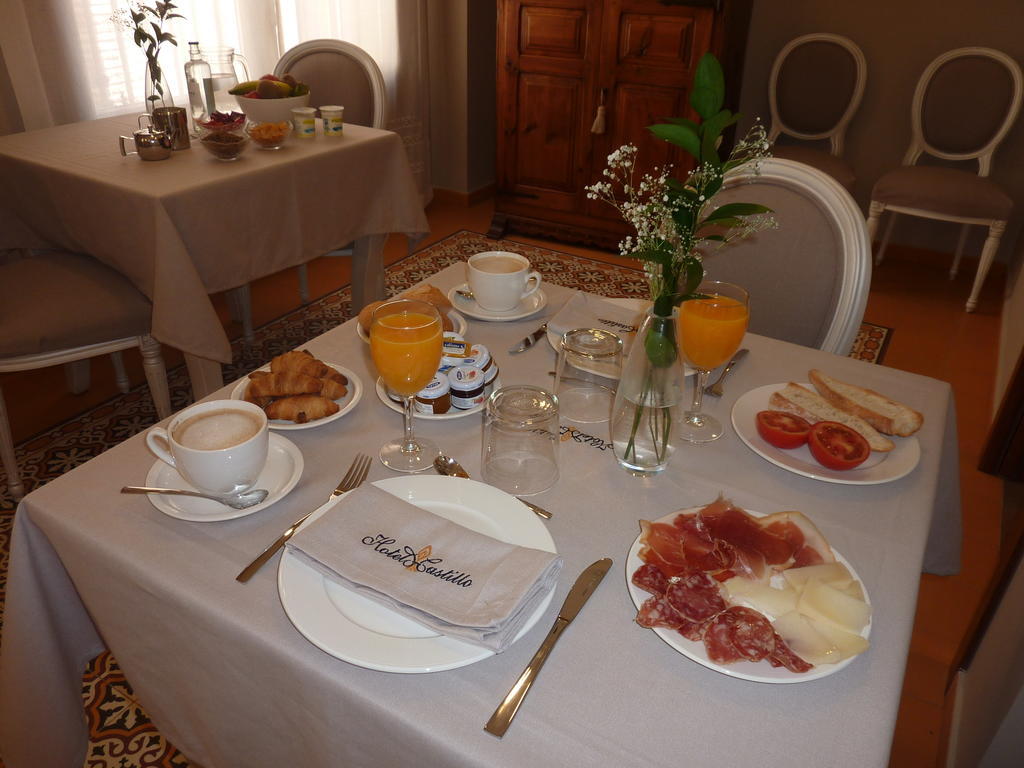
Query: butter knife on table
[[578, 595], [530, 340]]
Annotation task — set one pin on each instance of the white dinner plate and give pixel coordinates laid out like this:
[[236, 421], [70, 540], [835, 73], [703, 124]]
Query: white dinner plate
[[362, 632], [453, 413], [346, 403], [459, 325], [880, 467], [757, 671], [532, 304], [279, 476], [640, 305]]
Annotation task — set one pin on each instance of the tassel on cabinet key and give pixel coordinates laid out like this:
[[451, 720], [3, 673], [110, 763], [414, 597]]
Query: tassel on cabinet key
[[598, 126]]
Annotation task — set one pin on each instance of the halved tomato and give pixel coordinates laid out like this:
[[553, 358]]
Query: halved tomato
[[781, 429], [836, 446]]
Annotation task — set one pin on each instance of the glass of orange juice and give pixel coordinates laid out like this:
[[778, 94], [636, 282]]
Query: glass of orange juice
[[405, 343], [711, 327]]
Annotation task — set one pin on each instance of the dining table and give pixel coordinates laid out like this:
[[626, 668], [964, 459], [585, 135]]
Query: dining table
[[192, 225], [228, 678]]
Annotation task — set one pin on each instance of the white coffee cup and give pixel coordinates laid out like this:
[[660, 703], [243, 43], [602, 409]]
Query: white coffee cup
[[218, 446], [500, 279]]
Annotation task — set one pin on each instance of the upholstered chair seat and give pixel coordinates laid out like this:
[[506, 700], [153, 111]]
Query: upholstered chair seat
[[64, 308], [825, 162], [947, 191]]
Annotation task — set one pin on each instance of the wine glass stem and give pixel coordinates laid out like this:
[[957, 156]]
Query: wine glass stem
[[699, 382], [409, 444]]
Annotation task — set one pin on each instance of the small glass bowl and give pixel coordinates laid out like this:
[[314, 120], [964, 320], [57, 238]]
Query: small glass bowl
[[215, 126], [224, 145], [269, 135]]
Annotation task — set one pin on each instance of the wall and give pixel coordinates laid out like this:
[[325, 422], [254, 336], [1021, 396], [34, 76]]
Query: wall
[[462, 93], [899, 39]]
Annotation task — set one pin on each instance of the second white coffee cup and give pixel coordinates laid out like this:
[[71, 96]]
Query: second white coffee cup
[[218, 446], [500, 280]]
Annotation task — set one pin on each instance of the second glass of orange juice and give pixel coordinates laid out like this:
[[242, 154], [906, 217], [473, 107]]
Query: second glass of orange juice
[[405, 343], [711, 328]]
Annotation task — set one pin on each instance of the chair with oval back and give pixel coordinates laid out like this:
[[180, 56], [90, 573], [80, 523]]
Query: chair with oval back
[[337, 73], [953, 119], [815, 88], [808, 280]]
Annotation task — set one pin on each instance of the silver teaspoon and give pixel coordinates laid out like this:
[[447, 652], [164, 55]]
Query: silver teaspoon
[[465, 293], [236, 500], [446, 465]]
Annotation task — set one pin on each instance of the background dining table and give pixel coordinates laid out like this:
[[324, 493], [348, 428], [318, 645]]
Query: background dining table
[[231, 682], [191, 225]]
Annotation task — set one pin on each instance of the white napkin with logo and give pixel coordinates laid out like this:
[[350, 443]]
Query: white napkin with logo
[[453, 580], [585, 310]]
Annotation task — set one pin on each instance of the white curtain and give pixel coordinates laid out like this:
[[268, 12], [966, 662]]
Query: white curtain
[[65, 60]]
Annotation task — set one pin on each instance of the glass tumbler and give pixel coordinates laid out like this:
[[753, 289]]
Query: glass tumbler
[[520, 440], [587, 373]]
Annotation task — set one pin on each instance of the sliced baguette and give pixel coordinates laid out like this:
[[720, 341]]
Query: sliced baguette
[[811, 406], [879, 411]]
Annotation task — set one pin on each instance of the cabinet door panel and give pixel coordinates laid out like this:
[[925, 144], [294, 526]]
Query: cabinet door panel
[[546, 138]]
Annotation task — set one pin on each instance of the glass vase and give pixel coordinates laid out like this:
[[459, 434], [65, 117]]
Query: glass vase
[[644, 413], [158, 92]]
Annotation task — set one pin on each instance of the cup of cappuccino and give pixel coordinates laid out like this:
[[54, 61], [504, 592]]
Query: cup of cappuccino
[[500, 279], [218, 446]]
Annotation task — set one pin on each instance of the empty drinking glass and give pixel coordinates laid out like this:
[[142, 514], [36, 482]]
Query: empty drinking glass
[[520, 440], [587, 373]]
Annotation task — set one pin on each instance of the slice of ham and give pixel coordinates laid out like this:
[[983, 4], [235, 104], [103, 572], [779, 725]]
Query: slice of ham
[[754, 546], [809, 545]]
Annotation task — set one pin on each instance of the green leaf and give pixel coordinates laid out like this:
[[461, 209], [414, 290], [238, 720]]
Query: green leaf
[[680, 135], [708, 92], [724, 221], [693, 274], [683, 121], [683, 219], [731, 210], [716, 238]]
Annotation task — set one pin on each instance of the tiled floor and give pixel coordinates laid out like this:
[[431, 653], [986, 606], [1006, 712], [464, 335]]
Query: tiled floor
[[933, 336]]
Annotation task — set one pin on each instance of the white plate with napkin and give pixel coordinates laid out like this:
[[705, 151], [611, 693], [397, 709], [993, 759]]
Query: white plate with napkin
[[365, 629]]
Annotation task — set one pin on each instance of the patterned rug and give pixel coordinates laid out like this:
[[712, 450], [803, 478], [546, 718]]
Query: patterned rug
[[122, 735]]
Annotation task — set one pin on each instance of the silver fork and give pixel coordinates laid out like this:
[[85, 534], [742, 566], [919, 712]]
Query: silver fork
[[353, 479]]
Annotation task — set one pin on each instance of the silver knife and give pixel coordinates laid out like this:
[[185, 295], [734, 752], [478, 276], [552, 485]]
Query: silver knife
[[578, 595], [530, 340]]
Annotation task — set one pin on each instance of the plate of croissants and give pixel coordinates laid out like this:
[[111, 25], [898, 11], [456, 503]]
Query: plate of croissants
[[450, 319], [298, 391]]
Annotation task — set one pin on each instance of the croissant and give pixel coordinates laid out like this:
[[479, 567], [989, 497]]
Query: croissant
[[301, 408], [332, 389], [299, 361], [276, 384]]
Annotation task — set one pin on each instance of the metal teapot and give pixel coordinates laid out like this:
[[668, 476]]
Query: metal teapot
[[150, 144]]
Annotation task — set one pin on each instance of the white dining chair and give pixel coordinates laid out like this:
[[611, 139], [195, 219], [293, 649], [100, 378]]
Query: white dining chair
[[338, 73], [808, 279], [59, 308], [954, 120], [814, 89]]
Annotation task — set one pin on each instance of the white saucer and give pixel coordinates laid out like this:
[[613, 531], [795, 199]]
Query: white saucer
[[532, 304], [279, 476], [458, 322]]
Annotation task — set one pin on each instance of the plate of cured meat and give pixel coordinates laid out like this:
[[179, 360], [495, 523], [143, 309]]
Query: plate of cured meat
[[753, 596]]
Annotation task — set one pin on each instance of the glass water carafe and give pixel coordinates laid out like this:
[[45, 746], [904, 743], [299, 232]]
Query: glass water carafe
[[227, 69]]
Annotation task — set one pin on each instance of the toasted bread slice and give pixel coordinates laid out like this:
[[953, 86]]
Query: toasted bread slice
[[882, 413], [811, 406]]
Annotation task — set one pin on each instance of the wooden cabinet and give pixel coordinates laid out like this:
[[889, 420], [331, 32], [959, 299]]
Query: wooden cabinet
[[558, 62]]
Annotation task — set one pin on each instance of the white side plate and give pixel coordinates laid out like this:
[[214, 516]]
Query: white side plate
[[346, 403]]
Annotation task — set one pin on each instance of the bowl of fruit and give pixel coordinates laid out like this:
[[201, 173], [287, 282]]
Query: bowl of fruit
[[270, 99], [269, 135]]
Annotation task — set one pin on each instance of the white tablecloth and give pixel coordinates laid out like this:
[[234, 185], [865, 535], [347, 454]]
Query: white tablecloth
[[191, 225], [229, 680]]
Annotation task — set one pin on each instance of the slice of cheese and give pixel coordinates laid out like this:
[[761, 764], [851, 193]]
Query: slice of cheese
[[855, 590], [822, 602], [835, 574], [805, 640], [761, 597], [846, 644]]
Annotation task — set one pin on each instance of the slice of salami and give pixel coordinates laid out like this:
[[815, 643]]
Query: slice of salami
[[751, 633], [783, 656], [655, 612], [650, 579], [696, 596], [718, 640]]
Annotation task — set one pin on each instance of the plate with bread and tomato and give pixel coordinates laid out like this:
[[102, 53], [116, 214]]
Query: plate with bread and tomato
[[830, 430]]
